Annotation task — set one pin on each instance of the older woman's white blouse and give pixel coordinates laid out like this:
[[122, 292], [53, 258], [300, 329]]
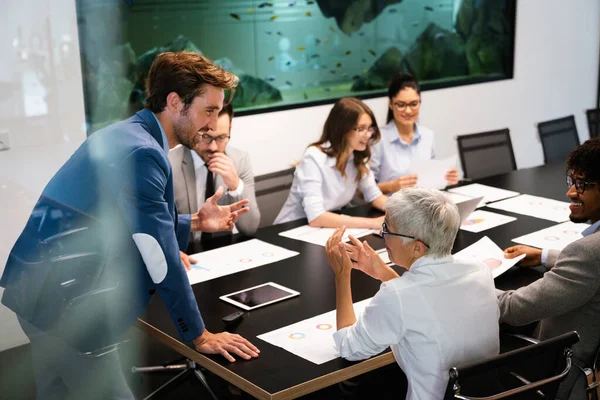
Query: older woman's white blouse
[[319, 187]]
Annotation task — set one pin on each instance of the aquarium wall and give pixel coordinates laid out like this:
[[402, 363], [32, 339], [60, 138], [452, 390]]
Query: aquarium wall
[[289, 53]]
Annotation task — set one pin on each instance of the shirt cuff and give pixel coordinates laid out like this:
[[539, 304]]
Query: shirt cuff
[[237, 192], [545, 256]]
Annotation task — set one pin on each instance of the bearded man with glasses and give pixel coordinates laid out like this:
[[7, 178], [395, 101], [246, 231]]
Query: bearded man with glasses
[[567, 298], [212, 163]]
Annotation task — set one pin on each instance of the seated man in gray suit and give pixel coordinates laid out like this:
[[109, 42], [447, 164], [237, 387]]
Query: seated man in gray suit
[[197, 174], [567, 298]]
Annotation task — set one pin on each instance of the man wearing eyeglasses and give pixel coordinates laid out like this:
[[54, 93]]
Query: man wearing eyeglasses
[[567, 298], [197, 174]]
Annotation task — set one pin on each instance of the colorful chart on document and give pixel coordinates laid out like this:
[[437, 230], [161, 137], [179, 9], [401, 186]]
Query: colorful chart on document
[[556, 237], [311, 339], [235, 258]]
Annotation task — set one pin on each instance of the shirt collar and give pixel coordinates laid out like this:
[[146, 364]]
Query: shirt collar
[[591, 229], [165, 143], [395, 137], [429, 260]]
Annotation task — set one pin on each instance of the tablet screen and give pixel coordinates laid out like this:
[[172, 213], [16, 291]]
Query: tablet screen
[[259, 295]]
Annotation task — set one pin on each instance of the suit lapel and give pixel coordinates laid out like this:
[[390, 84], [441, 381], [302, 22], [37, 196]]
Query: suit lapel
[[189, 175]]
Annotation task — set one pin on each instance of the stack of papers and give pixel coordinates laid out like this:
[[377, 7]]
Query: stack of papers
[[489, 193], [432, 173], [319, 236], [556, 237], [489, 253], [235, 258], [311, 339], [534, 206]]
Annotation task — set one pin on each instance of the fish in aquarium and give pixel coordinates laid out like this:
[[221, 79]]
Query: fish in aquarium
[[428, 8], [308, 13], [274, 17], [348, 52], [271, 58], [373, 52], [265, 4], [250, 11], [235, 16], [301, 48], [292, 4]]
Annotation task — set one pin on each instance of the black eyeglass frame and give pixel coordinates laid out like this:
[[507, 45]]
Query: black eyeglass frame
[[384, 231], [223, 138], [580, 184]]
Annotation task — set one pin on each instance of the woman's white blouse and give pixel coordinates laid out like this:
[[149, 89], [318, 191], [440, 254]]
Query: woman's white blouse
[[319, 187]]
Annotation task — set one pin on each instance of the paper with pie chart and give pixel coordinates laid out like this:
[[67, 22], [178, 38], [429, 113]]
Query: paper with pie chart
[[534, 206], [235, 258], [479, 221], [311, 339], [311, 234], [556, 237], [487, 252]]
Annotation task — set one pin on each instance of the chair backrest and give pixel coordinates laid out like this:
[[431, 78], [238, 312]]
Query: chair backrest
[[593, 118], [558, 137], [486, 154], [271, 193], [524, 373]]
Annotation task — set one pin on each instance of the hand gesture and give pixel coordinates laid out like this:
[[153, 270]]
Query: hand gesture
[[222, 165], [406, 181], [214, 218], [187, 261], [336, 253], [452, 176], [364, 258], [225, 343], [533, 256]]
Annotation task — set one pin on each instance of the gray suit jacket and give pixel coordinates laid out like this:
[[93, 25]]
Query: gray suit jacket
[[566, 299], [185, 185]]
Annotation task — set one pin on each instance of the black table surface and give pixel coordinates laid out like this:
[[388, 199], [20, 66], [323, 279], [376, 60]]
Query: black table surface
[[278, 373]]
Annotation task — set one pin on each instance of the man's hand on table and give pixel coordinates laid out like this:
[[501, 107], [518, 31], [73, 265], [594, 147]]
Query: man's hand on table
[[225, 343]]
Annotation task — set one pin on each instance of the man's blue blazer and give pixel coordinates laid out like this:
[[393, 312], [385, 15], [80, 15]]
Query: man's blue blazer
[[102, 238]]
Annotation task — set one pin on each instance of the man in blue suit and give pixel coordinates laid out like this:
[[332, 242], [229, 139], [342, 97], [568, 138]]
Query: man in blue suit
[[105, 235]]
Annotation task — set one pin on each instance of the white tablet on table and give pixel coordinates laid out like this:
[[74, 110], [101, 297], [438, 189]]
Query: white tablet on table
[[258, 296]]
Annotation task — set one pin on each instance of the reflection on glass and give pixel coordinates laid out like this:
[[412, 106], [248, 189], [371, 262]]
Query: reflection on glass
[[289, 52]]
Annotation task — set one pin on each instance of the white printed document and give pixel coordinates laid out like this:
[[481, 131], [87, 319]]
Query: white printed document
[[479, 221], [319, 236], [534, 206], [235, 258], [489, 193], [432, 173], [489, 253], [556, 237], [311, 339]]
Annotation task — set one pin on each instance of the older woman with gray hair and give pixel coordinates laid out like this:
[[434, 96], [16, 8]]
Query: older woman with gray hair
[[440, 313]]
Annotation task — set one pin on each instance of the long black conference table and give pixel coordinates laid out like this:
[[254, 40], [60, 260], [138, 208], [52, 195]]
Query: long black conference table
[[278, 374]]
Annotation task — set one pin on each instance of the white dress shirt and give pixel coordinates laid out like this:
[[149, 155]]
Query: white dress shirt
[[392, 155], [319, 187], [440, 314]]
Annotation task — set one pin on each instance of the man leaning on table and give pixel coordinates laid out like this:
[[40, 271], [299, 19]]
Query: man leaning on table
[[567, 298], [105, 236]]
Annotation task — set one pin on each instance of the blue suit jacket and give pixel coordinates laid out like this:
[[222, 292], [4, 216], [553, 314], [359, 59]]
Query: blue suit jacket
[[76, 271]]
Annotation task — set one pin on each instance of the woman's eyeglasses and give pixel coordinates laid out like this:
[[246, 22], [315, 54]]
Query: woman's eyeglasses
[[384, 231]]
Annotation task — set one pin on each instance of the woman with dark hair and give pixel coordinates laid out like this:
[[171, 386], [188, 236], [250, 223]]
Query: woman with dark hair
[[403, 139], [333, 168]]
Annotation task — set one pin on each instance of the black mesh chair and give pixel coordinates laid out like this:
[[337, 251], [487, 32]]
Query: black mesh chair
[[593, 118], [486, 154], [271, 193], [559, 137], [531, 372]]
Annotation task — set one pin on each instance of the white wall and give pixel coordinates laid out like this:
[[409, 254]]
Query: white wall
[[555, 75]]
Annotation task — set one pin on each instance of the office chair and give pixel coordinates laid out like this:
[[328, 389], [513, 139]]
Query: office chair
[[272, 191], [593, 118], [531, 372], [558, 137], [486, 154]]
